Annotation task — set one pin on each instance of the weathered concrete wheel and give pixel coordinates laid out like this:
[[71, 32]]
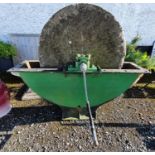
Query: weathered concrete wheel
[[82, 28]]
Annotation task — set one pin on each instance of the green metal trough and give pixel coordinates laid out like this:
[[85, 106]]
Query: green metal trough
[[66, 88], [79, 87]]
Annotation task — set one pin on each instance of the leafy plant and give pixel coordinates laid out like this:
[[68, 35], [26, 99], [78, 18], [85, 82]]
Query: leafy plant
[[140, 58], [7, 50]]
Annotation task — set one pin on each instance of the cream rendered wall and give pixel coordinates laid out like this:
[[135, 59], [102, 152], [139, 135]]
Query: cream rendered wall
[[30, 19]]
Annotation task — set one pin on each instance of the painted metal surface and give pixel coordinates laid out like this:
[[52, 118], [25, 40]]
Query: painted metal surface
[[67, 89]]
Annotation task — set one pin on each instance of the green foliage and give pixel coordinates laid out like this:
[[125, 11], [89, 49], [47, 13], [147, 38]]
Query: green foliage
[[140, 58], [7, 50]]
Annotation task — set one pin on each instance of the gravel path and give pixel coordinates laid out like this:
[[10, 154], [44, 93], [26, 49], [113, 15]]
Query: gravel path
[[124, 124]]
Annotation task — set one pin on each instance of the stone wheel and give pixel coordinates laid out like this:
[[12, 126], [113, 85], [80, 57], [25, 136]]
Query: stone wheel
[[82, 28]]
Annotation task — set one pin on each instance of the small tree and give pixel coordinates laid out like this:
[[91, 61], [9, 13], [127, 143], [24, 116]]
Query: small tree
[[140, 58], [7, 50]]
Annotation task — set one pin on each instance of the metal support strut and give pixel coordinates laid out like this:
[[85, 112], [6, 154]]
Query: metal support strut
[[83, 68]]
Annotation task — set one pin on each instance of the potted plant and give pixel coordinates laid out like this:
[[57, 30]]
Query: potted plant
[[7, 51]]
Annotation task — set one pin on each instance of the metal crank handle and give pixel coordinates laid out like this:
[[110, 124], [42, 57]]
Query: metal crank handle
[[83, 68]]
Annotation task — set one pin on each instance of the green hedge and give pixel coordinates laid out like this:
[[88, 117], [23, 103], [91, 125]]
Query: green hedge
[[140, 58], [7, 50]]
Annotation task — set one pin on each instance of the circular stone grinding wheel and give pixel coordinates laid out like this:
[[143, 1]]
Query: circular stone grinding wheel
[[82, 28]]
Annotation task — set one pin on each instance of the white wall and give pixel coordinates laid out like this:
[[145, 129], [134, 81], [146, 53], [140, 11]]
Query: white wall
[[25, 18], [135, 19], [30, 18]]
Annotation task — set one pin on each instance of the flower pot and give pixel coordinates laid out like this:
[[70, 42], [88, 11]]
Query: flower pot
[[5, 63], [5, 105]]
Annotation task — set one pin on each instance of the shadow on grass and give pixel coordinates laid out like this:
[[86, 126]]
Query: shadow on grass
[[21, 91], [9, 78], [144, 91], [147, 78], [140, 92]]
